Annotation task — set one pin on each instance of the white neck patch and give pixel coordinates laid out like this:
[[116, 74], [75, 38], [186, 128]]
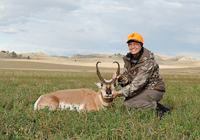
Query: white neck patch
[[104, 103]]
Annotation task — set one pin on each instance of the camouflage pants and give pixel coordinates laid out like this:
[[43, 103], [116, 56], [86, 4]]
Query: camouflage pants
[[144, 99]]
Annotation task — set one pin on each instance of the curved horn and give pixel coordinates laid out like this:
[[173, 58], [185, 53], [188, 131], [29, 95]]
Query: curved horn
[[118, 69], [98, 72]]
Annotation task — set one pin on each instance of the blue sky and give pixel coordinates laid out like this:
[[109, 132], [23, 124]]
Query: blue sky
[[66, 27]]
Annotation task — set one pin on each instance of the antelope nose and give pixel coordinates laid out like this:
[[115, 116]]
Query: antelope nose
[[108, 91]]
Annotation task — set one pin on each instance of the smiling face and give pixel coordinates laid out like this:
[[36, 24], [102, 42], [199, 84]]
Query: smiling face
[[134, 48]]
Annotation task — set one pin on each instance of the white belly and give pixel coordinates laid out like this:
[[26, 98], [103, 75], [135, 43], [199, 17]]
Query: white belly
[[64, 105]]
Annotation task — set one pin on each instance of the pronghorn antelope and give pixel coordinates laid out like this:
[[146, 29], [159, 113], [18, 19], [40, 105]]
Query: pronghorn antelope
[[80, 99]]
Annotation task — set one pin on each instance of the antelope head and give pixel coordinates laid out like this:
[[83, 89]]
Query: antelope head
[[107, 87]]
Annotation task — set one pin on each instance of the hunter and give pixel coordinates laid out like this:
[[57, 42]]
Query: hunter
[[142, 85]]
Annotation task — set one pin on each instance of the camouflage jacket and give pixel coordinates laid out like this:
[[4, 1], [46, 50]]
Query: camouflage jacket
[[143, 74]]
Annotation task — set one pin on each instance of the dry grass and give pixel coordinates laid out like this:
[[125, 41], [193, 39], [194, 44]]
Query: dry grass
[[29, 65], [181, 71], [26, 65]]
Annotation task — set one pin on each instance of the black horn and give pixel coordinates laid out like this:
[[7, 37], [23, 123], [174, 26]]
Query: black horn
[[98, 72], [118, 69]]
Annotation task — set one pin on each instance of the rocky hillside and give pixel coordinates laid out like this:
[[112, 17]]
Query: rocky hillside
[[161, 59], [7, 54], [37, 56], [183, 58]]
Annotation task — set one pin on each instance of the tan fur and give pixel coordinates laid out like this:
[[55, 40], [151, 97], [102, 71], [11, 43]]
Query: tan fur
[[88, 97], [48, 100]]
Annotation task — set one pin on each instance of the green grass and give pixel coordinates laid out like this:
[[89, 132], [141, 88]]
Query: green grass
[[20, 89]]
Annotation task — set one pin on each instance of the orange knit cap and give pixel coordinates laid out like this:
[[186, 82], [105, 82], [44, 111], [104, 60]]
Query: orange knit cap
[[135, 37]]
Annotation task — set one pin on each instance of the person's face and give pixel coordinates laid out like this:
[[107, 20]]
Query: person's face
[[134, 48]]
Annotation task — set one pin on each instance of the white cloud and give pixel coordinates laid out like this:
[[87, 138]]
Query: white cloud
[[1, 7], [20, 48], [193, 39], [10, 31], [14, 10], [86, 26], [111, 41]]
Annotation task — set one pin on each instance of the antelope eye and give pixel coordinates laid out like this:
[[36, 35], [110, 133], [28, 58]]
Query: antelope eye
[[101, 84]]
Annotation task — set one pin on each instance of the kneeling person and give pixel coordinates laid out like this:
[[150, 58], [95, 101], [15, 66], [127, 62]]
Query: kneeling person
[[142, 84]]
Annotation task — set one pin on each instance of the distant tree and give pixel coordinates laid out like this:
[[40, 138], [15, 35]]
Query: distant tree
[[118, 54], [28, 57], [3, 51], [14, 54]]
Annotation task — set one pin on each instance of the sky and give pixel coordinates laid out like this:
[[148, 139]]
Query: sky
[[68, 27]]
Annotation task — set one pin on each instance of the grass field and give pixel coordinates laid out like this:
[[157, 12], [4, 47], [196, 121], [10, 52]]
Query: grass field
[[20, 89]]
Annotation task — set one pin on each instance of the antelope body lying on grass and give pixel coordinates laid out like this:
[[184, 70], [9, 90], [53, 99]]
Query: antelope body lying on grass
[[80, 99]]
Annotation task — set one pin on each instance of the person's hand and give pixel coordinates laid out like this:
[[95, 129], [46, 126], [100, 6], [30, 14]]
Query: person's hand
[[115, 75], [115, 94]]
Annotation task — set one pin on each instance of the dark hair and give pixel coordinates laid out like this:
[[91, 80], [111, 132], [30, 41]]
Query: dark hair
[[135, 41]]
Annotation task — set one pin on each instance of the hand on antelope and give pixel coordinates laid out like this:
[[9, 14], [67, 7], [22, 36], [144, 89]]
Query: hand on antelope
[[115, 94], [119, 77]]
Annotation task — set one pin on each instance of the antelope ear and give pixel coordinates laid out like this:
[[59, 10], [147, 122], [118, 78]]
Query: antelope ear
[[98, 84]]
